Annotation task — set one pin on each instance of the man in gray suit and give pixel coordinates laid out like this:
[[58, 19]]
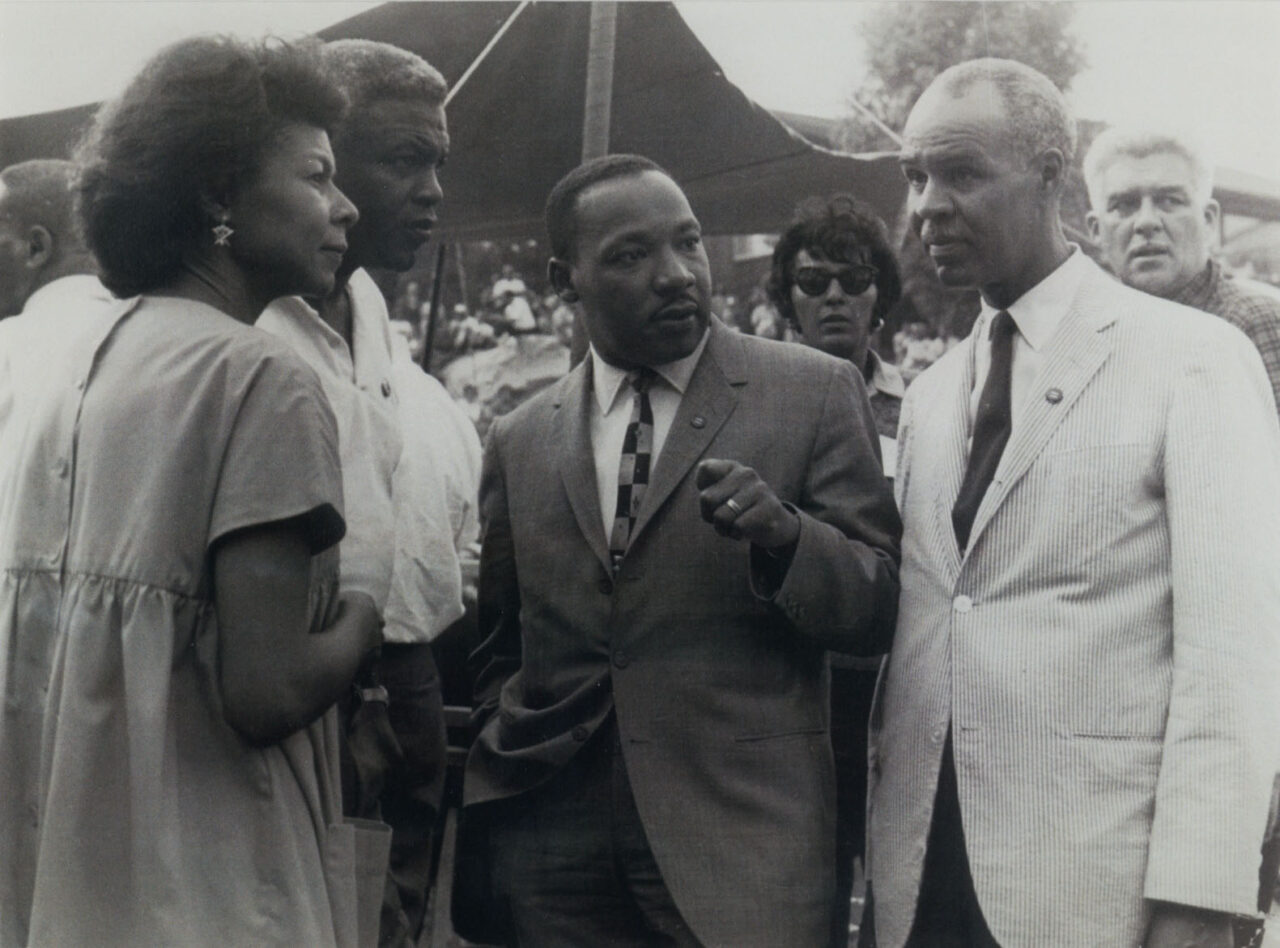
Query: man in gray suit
[[674, 535], [1074, 737]]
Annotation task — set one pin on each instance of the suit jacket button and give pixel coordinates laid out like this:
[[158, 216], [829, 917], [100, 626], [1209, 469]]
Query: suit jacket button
[[580, 733], [698, 421], [605, 586], [621, 658], [1053, 396], [386, 389]]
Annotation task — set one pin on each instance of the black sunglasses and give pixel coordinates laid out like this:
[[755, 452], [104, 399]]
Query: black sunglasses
[[854, 279]]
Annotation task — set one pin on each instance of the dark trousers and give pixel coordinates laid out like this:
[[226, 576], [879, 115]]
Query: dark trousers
[[393, 769], [571, 865], [851, 693], [947, 912]]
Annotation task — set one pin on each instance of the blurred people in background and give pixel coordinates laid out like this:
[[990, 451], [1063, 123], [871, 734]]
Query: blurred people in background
[[511, 298], [174, 647], [38, 240], [766, 322], [1154, 216], [833, 277], [916, 347], [408, 304], [400, 541]]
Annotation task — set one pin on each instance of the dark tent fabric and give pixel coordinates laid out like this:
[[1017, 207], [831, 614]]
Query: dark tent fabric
[[516, 122]]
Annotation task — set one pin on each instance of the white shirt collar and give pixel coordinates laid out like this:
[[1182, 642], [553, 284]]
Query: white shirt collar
[[1038, 311], [72, 286], [296, 318], [608, 379], [885, 378]]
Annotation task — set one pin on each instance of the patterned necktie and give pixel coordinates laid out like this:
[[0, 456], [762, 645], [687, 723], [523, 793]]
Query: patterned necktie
[[991, 428], [633, 471]]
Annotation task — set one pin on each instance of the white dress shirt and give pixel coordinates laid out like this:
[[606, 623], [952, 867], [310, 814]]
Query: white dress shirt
[[611, 413], [35, 351], [1037, 314], [358, 386], [435, 492]]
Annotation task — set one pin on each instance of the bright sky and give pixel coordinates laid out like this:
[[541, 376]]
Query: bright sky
[[1210, 64]]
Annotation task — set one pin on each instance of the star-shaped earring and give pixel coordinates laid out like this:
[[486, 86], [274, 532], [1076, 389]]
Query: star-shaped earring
[[222, 234]]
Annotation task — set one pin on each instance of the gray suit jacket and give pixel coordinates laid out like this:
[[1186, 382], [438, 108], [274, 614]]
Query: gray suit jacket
[[1105, 652], [719, 685]]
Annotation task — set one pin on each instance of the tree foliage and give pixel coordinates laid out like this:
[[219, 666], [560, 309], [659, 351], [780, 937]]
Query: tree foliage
[[909, 43]]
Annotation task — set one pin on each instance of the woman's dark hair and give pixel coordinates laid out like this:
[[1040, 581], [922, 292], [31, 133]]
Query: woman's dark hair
[[843, 230], [194, 125]]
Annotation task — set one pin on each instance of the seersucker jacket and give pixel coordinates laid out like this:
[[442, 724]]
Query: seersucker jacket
[[1105, 652]]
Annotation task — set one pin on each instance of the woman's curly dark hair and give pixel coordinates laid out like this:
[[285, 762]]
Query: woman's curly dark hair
[[843, 230], [193, 125]]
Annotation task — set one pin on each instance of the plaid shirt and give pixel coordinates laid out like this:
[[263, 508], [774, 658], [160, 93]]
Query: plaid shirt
[[1255, 314]]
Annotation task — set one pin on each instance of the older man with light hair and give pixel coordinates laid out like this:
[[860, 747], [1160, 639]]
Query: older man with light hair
[[1074, 737], [1154, 216]]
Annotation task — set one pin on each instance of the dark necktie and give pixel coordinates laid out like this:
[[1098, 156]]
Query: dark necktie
[[633, 470], [990, 428]]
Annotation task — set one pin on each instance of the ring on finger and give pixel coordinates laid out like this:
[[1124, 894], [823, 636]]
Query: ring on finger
[[734, 506]]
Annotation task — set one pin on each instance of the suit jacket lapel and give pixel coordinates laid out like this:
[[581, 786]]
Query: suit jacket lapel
[[1074, 355], [708, 402], [577, 459]]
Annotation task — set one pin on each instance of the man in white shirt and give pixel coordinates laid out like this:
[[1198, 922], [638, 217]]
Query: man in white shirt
[[409, 466], [1074, 735], [38, 239], [48, 276]]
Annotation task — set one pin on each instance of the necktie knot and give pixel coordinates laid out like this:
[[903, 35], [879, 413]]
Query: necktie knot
[[640, 379], [1002, 326]]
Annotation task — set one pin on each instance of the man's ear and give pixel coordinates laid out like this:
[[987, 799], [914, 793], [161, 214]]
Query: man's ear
[[560, 275], [1094, 223], [1212, 211], [1052, 166], [40, 247]]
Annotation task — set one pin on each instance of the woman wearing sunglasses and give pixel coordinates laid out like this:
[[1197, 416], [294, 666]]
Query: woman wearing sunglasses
[[833, 279]]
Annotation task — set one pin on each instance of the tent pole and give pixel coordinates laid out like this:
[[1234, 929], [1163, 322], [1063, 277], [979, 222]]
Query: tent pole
[[596, 116], [599, 97], [433, 312]]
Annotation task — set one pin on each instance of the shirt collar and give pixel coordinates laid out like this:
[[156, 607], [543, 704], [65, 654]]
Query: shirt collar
[[1200, 288], [1038, 311], [73, 286], [370, 334], [608, 379], [884, 377]]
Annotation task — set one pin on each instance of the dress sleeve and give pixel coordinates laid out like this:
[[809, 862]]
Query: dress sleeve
[[281, 456]]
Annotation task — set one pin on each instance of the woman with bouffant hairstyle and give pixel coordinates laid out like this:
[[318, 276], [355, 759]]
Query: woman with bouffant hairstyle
[[834, 278], [168, 755]]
